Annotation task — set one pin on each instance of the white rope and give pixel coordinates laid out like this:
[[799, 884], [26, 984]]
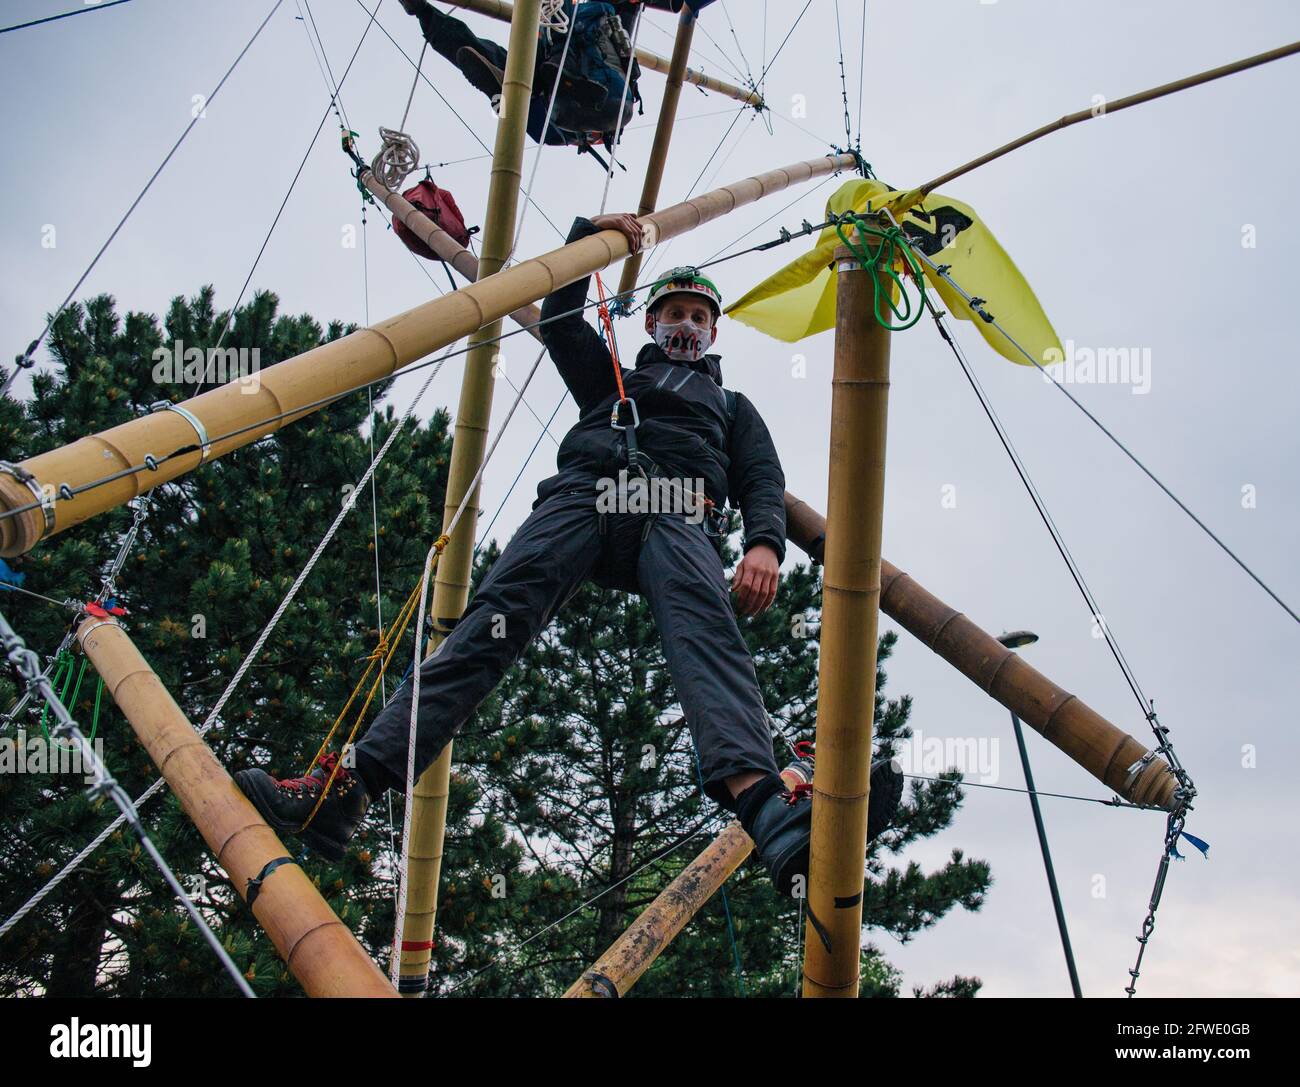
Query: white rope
[[403, 861], [618, 127], [554, 17], [399, 155], [541, 144], [397, 158]]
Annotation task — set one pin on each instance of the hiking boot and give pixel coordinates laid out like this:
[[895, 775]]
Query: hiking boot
[[780, 822], [481, 73], [286, 805]]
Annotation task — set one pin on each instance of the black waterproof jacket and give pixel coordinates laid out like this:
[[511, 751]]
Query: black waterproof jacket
[[685, 428]]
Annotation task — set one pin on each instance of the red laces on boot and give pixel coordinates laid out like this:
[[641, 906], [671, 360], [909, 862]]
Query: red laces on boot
[[315, 777]]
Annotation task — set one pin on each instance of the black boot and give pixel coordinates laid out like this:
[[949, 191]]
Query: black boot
[[780, 822], [287, 805]]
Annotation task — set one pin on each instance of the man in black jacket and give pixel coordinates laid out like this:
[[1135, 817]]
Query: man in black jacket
[[665, 433]]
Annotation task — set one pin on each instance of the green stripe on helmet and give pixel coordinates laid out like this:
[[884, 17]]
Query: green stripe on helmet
[[685, 280]]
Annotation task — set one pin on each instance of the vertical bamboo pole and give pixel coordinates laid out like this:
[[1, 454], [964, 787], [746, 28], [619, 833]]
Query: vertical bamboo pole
[[850, 615], [663, 136], [318, 948], [451, 587]]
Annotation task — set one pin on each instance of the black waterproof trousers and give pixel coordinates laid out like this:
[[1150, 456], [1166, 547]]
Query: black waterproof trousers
[[556, 549]]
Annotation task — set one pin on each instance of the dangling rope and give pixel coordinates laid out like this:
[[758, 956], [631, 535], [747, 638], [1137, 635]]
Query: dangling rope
[[880, 262], [430, 564], [553, 16], [622, 103], [399, 155]]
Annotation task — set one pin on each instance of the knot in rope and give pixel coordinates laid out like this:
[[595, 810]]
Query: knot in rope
[[440, 544], [397, 158], [553, 17], [894, 248]]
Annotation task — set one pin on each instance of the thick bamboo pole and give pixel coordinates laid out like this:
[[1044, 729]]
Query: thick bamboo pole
[[1105, 751], [451, 584], [318, 948], [654, 173], [500, 9], [632, 954], [236, 414], [850, 616]]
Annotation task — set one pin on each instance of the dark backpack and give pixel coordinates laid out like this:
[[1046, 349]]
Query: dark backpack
[[440, 206], [592, 82]]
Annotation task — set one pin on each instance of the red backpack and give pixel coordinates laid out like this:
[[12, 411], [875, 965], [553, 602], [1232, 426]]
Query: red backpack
[[439, 205]]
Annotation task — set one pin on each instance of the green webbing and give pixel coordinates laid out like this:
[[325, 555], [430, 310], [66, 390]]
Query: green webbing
[[63, 671], [893, 242]]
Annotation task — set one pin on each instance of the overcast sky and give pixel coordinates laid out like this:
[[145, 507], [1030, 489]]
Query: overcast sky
[[1134, 230]]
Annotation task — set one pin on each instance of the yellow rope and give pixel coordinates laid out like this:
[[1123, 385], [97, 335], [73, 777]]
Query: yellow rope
[[383, 653]]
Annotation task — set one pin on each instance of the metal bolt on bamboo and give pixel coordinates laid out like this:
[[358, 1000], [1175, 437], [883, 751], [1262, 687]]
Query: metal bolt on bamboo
[[654, 173], [318, 948], [451, 584], [850, 616], [500, 9], [229, 417], [1107, 752]]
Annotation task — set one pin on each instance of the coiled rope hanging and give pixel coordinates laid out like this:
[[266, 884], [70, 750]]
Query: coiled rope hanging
[[398, 154], [554, 17]]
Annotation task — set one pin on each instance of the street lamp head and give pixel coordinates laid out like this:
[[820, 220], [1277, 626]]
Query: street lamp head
[[1015, 639]]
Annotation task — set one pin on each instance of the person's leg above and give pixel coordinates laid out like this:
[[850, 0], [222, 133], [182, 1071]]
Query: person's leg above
[[481, 60], [547, 559]]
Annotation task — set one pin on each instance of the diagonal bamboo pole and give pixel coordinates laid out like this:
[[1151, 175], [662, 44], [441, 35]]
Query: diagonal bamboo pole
[[654, 173], [1108, 753], [443, 244], [846, 687], [500, 9], [317, 947], [632, 954], [451, 585], [234, 415]]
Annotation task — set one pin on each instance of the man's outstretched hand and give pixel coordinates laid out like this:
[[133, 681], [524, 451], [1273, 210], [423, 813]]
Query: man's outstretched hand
[[625, 224], [756, 579]]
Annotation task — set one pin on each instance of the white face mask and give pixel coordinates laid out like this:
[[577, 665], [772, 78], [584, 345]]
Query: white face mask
[[685, 341]]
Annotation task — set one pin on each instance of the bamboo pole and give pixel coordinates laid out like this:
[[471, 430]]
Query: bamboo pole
[[451, 584], [850, 617], [236, 414], [500, 9], [317, 947], [1105, 751], [663, 136], [1114, 107], [632, 954]]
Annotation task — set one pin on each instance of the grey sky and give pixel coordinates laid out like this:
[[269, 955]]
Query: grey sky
[[1130, 228]]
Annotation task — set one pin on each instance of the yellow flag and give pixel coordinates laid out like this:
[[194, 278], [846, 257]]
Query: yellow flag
[[799, 300]]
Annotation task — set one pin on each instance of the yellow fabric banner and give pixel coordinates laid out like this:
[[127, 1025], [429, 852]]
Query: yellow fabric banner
[[799, 300]]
